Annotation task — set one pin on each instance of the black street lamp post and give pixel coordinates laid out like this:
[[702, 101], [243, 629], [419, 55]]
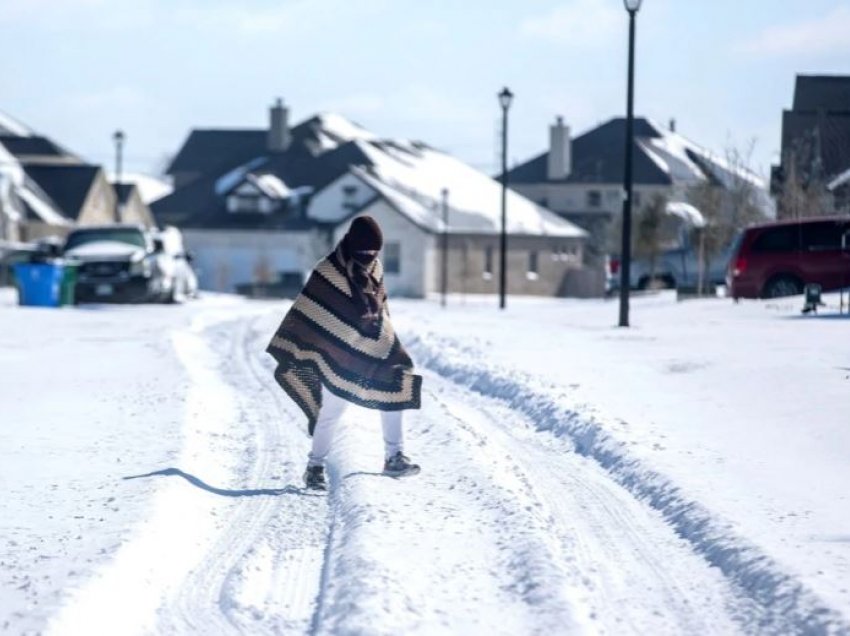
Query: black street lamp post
[[444, 273], [505, 99], [118, 138], [632, 6]]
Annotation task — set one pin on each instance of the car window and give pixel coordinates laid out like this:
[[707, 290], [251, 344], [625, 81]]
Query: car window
[[735, 244], [778, 239], [822, 236], [120, 235]]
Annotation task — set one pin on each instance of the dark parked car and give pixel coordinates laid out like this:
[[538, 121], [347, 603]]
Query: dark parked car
[[779, 259]]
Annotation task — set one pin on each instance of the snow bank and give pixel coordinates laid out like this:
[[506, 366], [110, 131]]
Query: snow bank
[[470, 361], [745, 564]]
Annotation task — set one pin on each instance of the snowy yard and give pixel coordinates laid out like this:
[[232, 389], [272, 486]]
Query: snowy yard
[[687, 475]]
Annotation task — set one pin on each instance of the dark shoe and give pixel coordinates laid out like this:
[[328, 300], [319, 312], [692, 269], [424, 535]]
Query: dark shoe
[[314, 478], [400, 466]]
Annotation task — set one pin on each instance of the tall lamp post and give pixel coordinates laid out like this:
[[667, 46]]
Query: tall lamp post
[[118, 138], [505, 99], [632, 6]]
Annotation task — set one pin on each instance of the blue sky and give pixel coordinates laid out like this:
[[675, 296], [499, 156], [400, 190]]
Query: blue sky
[[78, 69]]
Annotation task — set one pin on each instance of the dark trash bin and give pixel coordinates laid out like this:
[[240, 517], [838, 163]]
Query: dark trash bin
[[69, 283]]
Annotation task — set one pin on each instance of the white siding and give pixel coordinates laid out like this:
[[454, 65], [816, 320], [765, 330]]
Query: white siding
[[417, 267], [224, 259], [329, 204]]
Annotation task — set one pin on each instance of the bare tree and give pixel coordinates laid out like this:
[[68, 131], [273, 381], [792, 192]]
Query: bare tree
[[728, 202], [802, 188], [648, 236]]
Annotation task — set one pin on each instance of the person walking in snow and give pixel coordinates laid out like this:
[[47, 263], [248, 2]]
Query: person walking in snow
[[336, 345]]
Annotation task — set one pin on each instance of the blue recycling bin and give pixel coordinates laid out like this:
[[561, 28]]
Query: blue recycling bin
[[39, 284]]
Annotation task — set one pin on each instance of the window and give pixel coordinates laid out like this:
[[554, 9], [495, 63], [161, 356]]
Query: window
[[532, 264], [349, 197], [244, 203], [566, 253], [488, 262], [822, 236], [778, 239], [594, 198], [635, 200], [392, 258]]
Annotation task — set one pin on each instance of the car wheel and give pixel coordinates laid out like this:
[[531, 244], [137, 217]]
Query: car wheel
[[781, 286]]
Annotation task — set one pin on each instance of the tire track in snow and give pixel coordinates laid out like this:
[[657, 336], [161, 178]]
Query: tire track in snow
[[200, 604], [786, 605], [638, 576], [262, 572], [296, 537], [125, 595], [447, 551]]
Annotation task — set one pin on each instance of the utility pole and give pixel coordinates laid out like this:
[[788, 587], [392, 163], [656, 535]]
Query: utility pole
[[118, 138], [444, 279], [632, 6], [505, 99]]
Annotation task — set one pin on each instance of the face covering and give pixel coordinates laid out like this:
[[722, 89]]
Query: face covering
[[364, 258]]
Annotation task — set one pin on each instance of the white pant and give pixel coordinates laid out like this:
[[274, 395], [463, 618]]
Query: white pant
[[333, 407]]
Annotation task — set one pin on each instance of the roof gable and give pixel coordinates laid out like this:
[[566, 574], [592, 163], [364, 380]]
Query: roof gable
[[67, 186]]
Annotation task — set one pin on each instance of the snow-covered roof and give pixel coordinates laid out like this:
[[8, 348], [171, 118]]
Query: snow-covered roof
[[685, 160], [687, 163], [150, 188], [340, 129], [16, 188], [686, 212], [411, 176], [230, 180], [270, 185], [406, 173], [662, 158], [11, 126]]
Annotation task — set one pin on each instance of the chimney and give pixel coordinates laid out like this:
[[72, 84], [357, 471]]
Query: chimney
[[560, 164], [279, 137], [672, 125]]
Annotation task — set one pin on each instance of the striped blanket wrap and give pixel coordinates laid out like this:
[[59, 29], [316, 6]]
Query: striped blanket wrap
[[324, 339]]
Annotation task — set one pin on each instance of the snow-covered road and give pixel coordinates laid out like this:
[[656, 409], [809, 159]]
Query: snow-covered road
[[507, 530]]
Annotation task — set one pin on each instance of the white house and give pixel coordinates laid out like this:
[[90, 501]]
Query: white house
[[285, 196]]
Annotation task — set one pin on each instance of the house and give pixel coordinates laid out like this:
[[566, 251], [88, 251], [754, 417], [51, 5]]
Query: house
[[254, 220], [581, 178], [49, 189], [813, 176], [131, 207]]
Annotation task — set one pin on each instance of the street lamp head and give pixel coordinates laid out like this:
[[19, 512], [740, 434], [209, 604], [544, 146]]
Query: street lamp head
[[118, 136], [505, 98], [632, 6]]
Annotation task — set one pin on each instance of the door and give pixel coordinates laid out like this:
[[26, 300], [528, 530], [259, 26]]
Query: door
[[823, 258], [845, 255]]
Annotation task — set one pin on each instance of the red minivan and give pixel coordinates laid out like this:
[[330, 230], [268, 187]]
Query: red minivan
[[778, 259]]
